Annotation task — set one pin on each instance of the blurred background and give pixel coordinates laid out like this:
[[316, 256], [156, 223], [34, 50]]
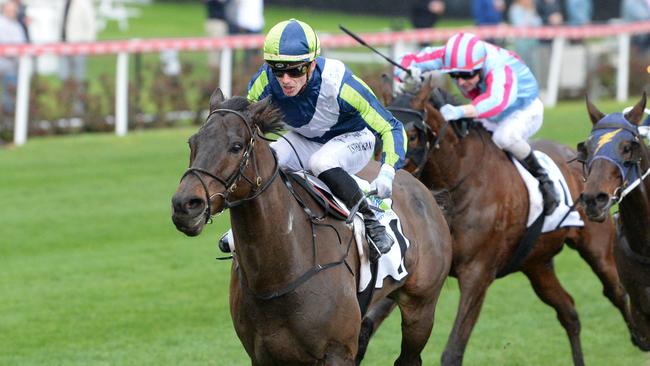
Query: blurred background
[[92, 270]]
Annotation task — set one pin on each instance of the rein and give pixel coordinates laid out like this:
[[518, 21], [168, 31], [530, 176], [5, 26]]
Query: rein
[[626, 187], [317, 267], [230, 183]]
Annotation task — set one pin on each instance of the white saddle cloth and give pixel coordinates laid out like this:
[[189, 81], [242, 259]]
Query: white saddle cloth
[[535, 195], [390, 264]]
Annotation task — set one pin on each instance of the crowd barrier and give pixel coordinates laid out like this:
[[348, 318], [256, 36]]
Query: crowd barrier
[[395, 40]]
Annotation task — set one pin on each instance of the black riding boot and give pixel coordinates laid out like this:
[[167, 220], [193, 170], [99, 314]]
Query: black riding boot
[[545, 184], [346, 188]]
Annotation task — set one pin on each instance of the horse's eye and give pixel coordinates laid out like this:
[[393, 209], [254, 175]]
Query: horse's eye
[[413, 138], [626, 149], [236, 147]]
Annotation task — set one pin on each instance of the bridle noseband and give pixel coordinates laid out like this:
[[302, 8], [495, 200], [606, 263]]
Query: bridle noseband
[[230, 183]]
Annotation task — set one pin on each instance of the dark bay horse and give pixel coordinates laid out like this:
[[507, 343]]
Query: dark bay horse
[[294, 274], [486, 205], [616, 162]]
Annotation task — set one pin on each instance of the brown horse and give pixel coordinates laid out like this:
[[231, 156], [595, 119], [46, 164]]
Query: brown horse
[[486, 205], [295, 270], [615, 157]]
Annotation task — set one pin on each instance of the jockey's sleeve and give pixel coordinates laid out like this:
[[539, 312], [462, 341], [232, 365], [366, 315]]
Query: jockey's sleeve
[[428, 59], [356, 97], [257, 87], [500, 92]]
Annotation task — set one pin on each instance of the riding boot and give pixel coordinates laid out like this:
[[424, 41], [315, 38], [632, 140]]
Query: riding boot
[[549, 195], [346, 188], [376, 231]]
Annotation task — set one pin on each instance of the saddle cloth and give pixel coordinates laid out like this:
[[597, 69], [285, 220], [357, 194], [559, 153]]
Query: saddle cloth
[[535, 195], [390, 264]]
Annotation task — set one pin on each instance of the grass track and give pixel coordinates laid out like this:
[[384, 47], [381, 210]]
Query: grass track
[[94, 273]]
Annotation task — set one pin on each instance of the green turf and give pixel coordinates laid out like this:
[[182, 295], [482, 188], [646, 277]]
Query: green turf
[[94, 273]]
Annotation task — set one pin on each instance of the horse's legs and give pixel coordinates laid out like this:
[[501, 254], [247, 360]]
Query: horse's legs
[[417, 321], [546, 285], [371, 322], [337, 355], [595, 244], [473, 283]]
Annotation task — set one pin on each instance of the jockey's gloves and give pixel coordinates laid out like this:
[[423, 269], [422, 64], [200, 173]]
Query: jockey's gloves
[[452, 112], [384, 181]]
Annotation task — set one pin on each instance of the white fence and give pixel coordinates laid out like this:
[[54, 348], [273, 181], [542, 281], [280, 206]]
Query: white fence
[[395, 40]]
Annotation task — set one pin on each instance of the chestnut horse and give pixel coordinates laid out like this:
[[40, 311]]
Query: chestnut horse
[[486, 205], [293, 289], [617, 162]]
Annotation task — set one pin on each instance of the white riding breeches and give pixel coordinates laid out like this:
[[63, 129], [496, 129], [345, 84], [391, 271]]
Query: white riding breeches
[[350, 151], [511, 134]]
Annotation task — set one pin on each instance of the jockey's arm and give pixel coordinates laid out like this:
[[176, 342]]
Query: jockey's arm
[[358, 96]]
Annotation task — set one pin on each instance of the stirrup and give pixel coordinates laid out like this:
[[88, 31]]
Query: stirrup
[[226, 242], [374, 251]]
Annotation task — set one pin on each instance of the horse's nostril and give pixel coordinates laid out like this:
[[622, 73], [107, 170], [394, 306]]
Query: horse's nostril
[[194, 203], [602, 198]]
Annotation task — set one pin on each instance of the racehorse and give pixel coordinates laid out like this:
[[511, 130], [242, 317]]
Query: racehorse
[[486, 205], [294, 273], [616, 161]]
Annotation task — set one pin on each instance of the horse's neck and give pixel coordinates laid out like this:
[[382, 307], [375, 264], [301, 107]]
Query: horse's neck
[[272, 235], [455, 166], [635, 216]]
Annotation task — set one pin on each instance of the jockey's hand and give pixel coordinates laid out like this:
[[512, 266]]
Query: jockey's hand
[[384, 181], [451, 112]]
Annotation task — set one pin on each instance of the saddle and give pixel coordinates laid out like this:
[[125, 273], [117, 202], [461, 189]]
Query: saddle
[[320, 193]]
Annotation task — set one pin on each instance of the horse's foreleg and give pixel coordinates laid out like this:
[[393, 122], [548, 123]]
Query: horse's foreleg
[[548, 289], [337, 355], [473, 285], [371, 322], [595, 244], [417, 322]]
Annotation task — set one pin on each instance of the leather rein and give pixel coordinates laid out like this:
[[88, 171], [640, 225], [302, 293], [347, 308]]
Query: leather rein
[[230, 183]]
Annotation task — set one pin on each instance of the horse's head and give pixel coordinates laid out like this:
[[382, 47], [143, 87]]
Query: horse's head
[[227, 166], [424, 125], [611, 157]]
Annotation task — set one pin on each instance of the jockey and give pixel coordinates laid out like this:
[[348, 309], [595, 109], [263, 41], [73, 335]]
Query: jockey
[[332, 117], [503, 94]]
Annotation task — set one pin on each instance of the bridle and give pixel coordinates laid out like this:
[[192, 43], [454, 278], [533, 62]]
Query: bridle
[[626, 186], [230, 183]]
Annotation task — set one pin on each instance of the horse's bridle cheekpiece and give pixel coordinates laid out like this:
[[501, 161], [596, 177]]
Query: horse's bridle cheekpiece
[[230, 183], [630, 169]]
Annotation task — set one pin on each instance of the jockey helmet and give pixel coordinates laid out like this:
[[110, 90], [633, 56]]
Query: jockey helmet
[[290, 42], [464, 52]]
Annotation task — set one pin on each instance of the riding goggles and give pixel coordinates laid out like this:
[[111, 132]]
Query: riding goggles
[[465, 75], [293, 70]]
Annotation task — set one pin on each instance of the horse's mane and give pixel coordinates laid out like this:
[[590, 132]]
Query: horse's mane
[[262, 114]]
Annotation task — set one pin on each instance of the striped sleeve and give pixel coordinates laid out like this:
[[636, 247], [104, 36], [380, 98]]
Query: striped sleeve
[[428, 59], [258, 85], [500, 92], [361, 98]]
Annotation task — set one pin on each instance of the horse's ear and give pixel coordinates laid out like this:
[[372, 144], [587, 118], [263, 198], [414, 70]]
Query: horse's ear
[[594, 114], [215, 99], [635, 115], [423, 94], [386, 89]]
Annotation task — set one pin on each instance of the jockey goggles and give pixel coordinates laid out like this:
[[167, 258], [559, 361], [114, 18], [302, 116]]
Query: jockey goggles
[[465, 75], [292, 69]]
